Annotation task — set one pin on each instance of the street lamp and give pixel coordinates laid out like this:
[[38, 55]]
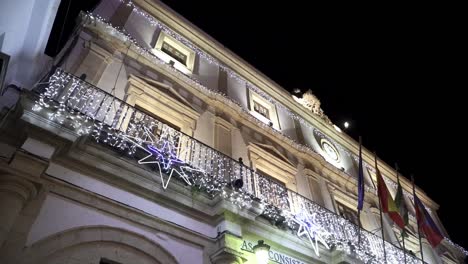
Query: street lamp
[[261, 251]]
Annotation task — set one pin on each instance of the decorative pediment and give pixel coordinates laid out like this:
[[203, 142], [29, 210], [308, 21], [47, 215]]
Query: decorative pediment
[[273, 151], [166, 89], [161, 101], [312, 103], [270, 161]]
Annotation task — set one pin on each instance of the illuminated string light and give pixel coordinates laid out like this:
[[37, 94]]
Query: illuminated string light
[[91, 113], [210, 59], [238, 78], [129, 130]]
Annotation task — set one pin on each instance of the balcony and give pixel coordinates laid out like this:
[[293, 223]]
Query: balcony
[[71, 103]]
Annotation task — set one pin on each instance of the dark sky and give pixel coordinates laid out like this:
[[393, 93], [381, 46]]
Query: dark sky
[[395, 72]]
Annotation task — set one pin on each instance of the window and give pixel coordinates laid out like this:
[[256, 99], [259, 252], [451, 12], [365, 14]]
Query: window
[[273, 190], [268, 159], [160, 123], [263, 110], [348, 213], [162, 103], [172, 51], [163, 121]]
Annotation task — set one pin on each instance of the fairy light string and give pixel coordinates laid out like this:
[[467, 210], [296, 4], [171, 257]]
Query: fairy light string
[[98, 127], [128, 130]]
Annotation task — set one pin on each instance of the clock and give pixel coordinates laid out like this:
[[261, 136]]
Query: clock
[[330, 150]]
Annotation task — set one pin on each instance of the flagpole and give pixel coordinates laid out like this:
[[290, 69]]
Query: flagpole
[[417, 222], [403, 231], [380, 209], [359, 211]]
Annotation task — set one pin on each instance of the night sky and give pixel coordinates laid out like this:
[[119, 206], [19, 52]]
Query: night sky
[[394, 72]]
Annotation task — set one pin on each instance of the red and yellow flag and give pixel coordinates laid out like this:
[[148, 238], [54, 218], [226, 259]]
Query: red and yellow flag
[[387, 202]]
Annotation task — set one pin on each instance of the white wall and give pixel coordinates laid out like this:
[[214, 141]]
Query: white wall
[[26, 25]]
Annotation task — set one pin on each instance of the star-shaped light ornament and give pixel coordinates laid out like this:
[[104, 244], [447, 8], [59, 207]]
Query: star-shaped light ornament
[[310, 229], [164, 157]]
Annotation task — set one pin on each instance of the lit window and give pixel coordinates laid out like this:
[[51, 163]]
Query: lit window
[[173, 52], [263, 110]]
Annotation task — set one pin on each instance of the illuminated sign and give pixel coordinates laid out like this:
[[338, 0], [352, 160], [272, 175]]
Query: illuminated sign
[[273, 255]]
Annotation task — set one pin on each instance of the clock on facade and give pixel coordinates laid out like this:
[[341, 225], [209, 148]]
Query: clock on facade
[[330, 150]]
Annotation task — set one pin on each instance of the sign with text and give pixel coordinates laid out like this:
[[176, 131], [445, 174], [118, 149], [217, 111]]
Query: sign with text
[[273, 255]]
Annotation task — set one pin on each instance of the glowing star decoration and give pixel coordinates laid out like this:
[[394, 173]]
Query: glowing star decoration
[[309, 228], [165, 158], [165, 155]]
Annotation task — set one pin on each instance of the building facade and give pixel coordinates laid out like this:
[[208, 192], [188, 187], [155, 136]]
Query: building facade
[[148, 142]]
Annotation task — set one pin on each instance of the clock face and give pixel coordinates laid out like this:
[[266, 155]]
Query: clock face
[[330, 150]]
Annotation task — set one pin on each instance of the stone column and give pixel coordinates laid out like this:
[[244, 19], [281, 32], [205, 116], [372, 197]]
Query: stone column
[[14, 193]]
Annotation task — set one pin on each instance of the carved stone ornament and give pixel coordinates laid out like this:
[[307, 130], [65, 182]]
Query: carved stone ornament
[[311, 102]]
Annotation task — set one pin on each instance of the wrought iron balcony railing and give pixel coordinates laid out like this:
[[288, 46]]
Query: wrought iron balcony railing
[[168, 153]]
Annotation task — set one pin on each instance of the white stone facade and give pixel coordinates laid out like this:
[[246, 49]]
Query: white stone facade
[[66, 198]]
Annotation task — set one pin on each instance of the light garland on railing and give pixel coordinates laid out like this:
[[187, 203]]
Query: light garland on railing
[[161, 152], [241, 80], [219, 96], [128, 130], [235, 76], [149, 55], [342, 234], [241, 197]]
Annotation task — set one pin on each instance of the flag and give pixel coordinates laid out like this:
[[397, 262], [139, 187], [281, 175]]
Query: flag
[[426, 224], [387, 203], [360, 182], [401, 205]]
